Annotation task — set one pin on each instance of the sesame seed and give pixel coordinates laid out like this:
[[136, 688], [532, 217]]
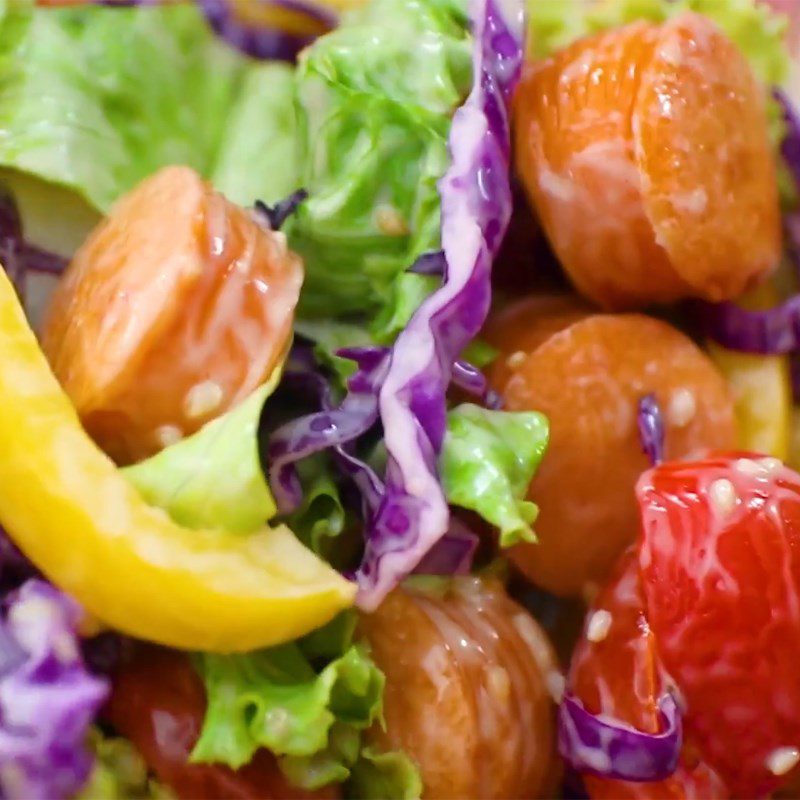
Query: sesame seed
[[390, 221], [202, 399], [499, 683], [515, 359], [682, 407], [782, 760], [748, 467], [598, 626], [771, 464], [168, 434], [722, 495], [556, 683]]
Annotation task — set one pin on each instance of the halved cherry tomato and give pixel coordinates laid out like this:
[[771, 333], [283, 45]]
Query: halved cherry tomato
[[615, 671], [467, 690], [645, 153], [175, 309], [158, 702], [720, 565], [587, 374]]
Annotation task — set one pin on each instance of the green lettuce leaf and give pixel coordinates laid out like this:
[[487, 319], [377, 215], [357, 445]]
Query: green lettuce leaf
[[375, 98], [320, 519], [487, 463], [119, 773], [378, 776], [312, 719], [93, 99], [258, 157], [754, 27], [214, 477]]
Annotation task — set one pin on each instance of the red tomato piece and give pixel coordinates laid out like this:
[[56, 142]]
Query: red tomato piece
[[720, 565], [158, 702], [615, 671]]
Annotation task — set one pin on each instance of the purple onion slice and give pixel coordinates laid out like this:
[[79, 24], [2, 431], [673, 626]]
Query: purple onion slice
[[595, 744]]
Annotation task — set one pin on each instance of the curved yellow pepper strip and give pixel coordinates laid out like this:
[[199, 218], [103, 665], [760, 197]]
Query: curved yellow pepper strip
[[77, 518]]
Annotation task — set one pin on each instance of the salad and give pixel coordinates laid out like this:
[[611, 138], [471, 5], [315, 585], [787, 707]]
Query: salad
[[399, 399]]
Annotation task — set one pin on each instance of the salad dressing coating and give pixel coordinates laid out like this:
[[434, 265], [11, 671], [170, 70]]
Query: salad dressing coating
[[467, 691], [644, 151]]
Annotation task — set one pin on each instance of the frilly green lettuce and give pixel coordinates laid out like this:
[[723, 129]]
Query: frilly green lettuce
[[258, 158], [487, 463], [93, 99], [119, 773], [375, 98], [311, 718], [214, 477], [378, 776], [754, 27]]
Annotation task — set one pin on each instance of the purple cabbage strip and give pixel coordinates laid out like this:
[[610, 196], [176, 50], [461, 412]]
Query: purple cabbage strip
[[469, 378], [432, 263], [595, 744], [273, 217], [775, 331], [17, 256], [48, 699], [651, 428], [790, 146], [329, 427], [260, 41], [452, 554], [476, 207]]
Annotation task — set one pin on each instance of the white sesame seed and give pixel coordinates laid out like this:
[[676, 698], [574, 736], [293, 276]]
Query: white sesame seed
[[598, 626], [390, 221], [202, 399], [682, 407], [782, 760], [499, 683], [748, 467], [771, 464], [722, 495], [515, 359], [168, 434], [556, 683]]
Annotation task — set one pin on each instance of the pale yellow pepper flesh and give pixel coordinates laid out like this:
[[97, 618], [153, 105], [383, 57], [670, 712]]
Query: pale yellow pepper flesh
[[69, 509]]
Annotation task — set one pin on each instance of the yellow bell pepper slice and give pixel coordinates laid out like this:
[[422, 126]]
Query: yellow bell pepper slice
[[761, 387], [71, 511]]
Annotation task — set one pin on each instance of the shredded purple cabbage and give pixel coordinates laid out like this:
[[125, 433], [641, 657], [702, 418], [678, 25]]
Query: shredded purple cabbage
[[790, 146], [330, 428], [598, 745], [263, 42], [18, 257], [651, 428], [48, 699], [273, 217], [471, 380], [452, 554], [476, 207], [429, 264], [775, 331]]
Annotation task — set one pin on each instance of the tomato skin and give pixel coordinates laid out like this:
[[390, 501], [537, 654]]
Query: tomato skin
[[158, 702], [720, 564], [163, 322], [619, 675], [587, 373], [466, 690]]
